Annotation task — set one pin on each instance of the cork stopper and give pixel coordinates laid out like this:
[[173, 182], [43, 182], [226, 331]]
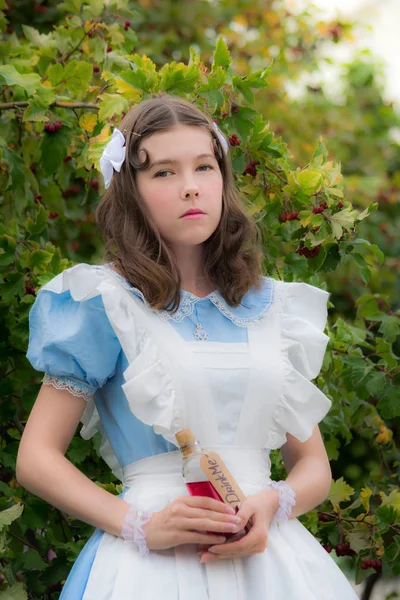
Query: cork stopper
[[186, 440]]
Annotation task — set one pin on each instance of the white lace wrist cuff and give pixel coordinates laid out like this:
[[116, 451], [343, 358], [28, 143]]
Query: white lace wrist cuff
[[287, 499], [132, 529]]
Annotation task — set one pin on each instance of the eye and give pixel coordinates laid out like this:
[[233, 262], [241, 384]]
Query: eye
[[160, 173]]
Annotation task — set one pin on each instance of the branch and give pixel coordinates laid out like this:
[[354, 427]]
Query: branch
[[276, 174], [5, 105]]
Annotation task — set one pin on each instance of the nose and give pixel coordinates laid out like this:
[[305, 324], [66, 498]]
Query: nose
[[190, 188], [190, 193]]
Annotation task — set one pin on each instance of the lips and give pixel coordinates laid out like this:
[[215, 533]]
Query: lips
[[193, 211]]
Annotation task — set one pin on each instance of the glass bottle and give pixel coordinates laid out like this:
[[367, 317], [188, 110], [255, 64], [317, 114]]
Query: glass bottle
[[195, 479]]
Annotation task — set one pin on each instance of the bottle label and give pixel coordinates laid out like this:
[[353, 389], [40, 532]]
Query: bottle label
[[221, 478]]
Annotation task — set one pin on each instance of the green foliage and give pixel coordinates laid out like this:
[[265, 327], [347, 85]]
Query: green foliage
[[84, 68]]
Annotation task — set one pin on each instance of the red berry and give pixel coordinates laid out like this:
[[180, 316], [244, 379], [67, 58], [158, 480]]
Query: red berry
[[57, 125], [318, 210], [96, 69], [109, 49], [234, 108], [74, 245], [53, 215], [251, 168], [340, 204], [90, 34], [234, 140], [94, 184], [294, 215], [310, 253], [29, 290], [322, 517], [365, 564], [39, 8], [67, 159], [127, 23], [224, 115], [378, 565], [9, 30], [71, 191], [327, 547], [38, 198], [283, 217], [323, 204], [339, 549]]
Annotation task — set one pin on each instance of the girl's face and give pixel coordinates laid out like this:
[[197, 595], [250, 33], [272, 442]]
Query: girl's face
[[179, 180]]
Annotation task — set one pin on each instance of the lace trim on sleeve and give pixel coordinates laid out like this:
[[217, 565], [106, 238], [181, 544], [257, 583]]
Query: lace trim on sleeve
[[71, 385]]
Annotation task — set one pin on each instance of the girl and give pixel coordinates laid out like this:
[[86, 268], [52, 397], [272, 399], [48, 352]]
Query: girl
[[179, 329]]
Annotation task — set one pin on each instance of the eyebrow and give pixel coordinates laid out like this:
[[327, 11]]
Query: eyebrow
[[170, 161]]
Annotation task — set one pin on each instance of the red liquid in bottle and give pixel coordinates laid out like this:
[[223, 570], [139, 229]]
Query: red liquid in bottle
[[203, 488], [206, 488]]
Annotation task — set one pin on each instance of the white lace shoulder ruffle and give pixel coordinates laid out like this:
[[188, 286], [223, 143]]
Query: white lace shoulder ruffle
[[302, 316]]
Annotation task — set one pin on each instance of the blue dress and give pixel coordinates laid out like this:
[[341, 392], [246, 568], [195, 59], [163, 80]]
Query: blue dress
[[75, 340]]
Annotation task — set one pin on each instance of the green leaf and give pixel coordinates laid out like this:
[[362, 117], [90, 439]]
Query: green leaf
[[340, 491], [54, 148], [9, 515], [71, 6], [359, 537], [221, 55], [15, 286], [28, 81], [39, 260], [309, 181], [320, 151], [390, 328], [36, 38], [112, 104], [392, 500], [14, 592], [78, 450], [377, 384], [55, 74], [77, 76], [389, 404], [179, 78], [38, 225], [387, 515], [31, 560], [138, 80]]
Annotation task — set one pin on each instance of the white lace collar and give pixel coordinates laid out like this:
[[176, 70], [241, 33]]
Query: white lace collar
[[253, 307]]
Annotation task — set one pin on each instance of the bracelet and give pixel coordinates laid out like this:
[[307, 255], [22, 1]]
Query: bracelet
[[287, 499], [132, 529]]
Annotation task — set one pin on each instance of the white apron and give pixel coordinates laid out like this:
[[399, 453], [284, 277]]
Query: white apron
[[166, 384]]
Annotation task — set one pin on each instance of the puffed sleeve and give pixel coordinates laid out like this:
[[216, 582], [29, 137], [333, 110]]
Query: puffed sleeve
[[72, 342], [302, 404]]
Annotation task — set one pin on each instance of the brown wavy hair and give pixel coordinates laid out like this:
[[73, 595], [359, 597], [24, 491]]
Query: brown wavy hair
[[232, 258]]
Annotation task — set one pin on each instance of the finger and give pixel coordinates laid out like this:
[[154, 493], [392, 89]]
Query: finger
[[192, 512], [211, 525], [208, 503], [246, 545], [207, 557], [245, 512], [196, 537], [200, 513]]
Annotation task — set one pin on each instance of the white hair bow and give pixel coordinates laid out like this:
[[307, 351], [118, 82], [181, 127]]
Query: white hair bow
[[221, 138], [114, 154]]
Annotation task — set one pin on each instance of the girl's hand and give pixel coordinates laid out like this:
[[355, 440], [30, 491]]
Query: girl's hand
[[259, 509], [186, 521]]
